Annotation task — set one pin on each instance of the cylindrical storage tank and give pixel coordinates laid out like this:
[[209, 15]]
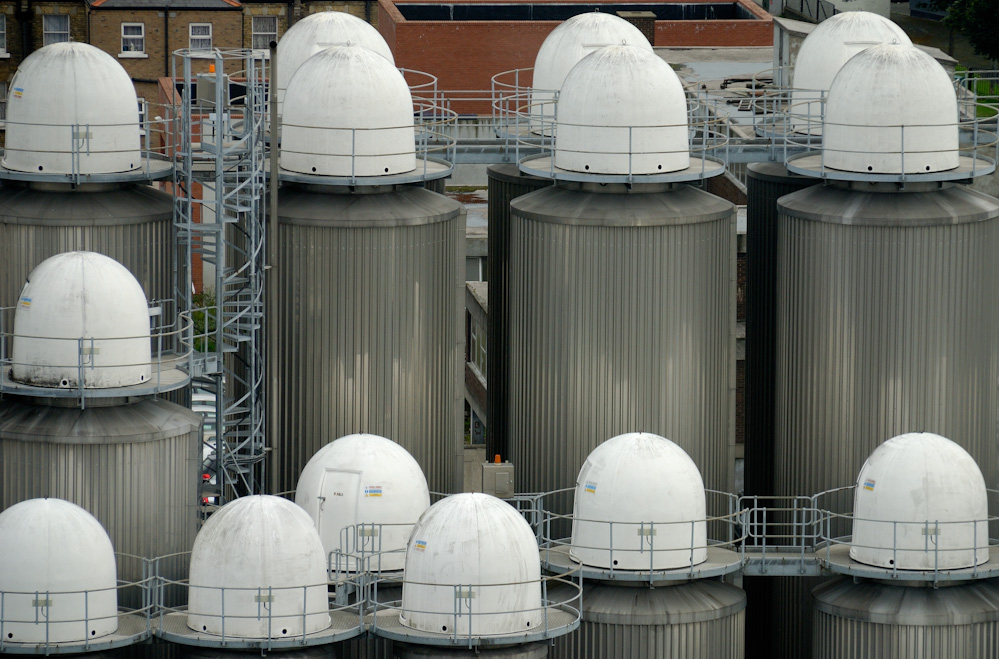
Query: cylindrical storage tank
[[478, 548], [697, 620], [880, 331], [258, 549], [57, 576], [364, 479], [370, 317], [871, 620], [621, 317], [130, 223], [766, 182], [506, 183], [663, 528], [134, 465]]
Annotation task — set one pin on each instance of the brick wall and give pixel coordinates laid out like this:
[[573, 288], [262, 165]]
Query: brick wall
[[464, 55], [77, 20], [365, 10]]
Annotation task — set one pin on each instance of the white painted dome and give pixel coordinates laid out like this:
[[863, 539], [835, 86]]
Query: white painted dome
[[65, 91], [622, 109], [829, 46], [364, 479], [570, 42], [934, 491], [258, 545], [81, 295], [482, 544], [319, 31], [652, 492], [348, 100], [56, 547], [886, 97]]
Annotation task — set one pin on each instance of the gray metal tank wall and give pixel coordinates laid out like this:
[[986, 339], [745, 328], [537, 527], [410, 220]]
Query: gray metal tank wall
[[622, 312], [698, 620], [370, 317], [871, 620], [883, 327], [132, 224], [134, 466], [506, 183]]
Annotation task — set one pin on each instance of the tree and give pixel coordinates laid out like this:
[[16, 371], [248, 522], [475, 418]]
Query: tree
[[978, 20]]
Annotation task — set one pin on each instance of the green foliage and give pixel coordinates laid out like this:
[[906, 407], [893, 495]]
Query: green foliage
[[978, 20], [204, 318]]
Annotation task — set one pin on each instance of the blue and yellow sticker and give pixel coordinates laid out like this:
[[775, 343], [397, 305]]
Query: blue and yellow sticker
[[18, 92], [373, 491], [869, 484], [420, 545], [590, 487], [25, 302]]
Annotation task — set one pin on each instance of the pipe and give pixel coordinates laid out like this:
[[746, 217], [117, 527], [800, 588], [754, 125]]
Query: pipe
[[271, 326]]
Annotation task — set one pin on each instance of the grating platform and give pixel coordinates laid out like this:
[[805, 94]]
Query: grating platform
[[720, 561], [427, 169], [386, 624], [166, 376], [152, 169], [132, 628], [699, 168], [837, 559], [173, 627]]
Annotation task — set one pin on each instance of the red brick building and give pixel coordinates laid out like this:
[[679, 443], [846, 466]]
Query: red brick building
[[465, 44]]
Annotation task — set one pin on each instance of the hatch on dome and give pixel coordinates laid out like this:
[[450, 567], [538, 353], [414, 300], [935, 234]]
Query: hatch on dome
[[81, 312], [364, 480], [479, 547], [348, 112], [58, 574], [72, 109], [622, 110], [639, 505], [920, 504], [258, 546]]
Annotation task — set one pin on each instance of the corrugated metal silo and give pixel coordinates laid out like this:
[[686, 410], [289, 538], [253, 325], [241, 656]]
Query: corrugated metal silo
[[506, 183], [370, 270], [529, 651], [881, 273], [870, 619], [703, 620], [766, 182], [621, 311], [370, 319]]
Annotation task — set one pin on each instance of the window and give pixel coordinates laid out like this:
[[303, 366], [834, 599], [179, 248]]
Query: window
[[3, 101], [142, 115], [3, 34], [264, 32], [55, 29], [201, 36], [133, 37]]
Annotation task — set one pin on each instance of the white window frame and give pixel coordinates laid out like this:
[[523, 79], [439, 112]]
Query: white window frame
[[129, 39], [48, 32], [199, 37], [3, 36], [270, 35], [3, 102], [142, 115]]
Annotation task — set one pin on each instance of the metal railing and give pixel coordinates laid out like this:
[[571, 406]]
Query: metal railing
[[170, 347], [42, 603], [467, 621]]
